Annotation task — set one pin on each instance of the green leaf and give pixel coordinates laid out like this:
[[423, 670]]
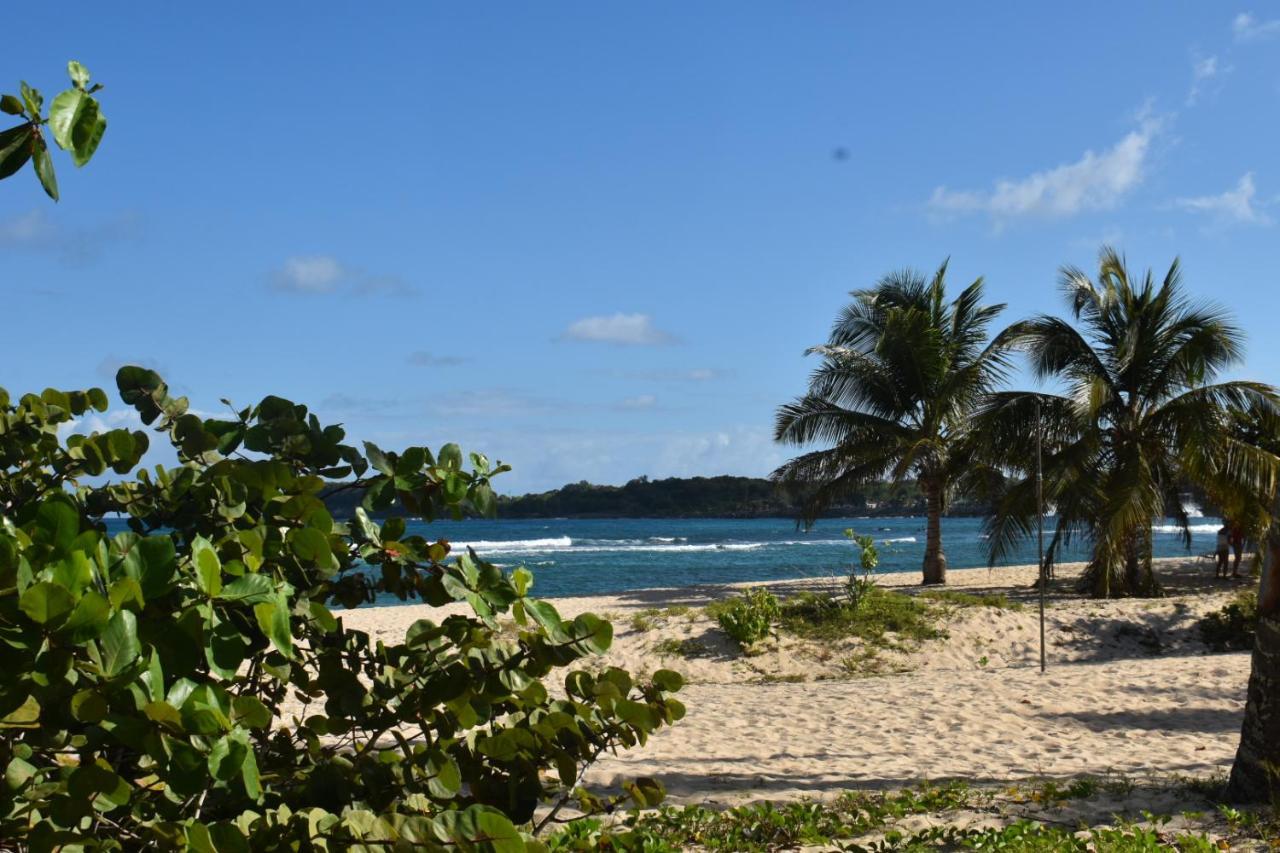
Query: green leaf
[[273, 619], [33, 100], [249, 711], [378, 459], [78, 73], [44, 169], [64, 112], [225, 648], [58, 524], [119, 643], [24, 716], [249, 588], [207, 710], [593, 634], [11, 105], [46, 603], [522, 580], [208, 566], [15, 148], [88, 706], [668, 680], [311, 546], [450, 456], [89, 617]]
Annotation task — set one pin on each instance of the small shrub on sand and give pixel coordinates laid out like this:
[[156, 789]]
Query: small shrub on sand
[[878, 614], [687, 648], [965, 599], [747, 618], [1233, 627]]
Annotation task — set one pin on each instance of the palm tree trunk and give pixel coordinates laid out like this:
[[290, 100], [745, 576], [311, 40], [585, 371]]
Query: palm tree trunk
[[1255, 776], [935, 562]]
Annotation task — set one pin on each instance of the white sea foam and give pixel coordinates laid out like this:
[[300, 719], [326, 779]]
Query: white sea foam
[[506, 547], [899, 539], [1194, 528]]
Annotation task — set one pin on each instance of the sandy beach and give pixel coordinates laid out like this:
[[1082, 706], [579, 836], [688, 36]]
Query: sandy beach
[[1130, 689]]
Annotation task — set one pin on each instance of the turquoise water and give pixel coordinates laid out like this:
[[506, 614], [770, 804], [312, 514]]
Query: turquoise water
[[590, 556]]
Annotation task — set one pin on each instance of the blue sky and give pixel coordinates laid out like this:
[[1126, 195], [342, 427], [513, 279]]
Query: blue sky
[[595, 239]]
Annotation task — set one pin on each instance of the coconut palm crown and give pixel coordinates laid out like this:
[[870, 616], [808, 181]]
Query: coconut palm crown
[[1140, 417], [902, 371]]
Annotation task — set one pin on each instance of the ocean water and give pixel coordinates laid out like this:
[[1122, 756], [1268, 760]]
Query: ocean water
[[571, 557], [591, 556]]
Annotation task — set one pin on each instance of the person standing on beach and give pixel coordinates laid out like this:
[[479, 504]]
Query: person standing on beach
[[1237, 546], [1224, 540]]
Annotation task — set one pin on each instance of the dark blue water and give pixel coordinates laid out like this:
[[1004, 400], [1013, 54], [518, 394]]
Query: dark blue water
[[590, 556]]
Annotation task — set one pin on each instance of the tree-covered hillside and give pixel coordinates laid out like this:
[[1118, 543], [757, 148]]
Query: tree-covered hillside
[[694, 497]]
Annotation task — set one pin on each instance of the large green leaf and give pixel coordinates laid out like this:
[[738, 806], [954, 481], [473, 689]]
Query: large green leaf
[[273, 619], [89, 617], [119, 643], [44, 168], [47, 603], [15, 148], [249, 589], [207, 565]]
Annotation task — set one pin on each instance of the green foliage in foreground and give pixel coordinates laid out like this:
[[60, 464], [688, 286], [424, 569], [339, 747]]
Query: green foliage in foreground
[[147, 676], [860, 821], [748, 617], [1234, 627], [75, 120]]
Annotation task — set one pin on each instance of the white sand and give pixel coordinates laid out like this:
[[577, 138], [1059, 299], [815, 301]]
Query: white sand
[[1130, 689]]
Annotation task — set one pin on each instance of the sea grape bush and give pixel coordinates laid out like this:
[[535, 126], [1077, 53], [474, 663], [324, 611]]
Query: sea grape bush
[[189, 683], [75, 121]]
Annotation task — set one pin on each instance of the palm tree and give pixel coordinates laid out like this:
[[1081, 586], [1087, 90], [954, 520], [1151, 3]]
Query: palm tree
[[1255, 775], [1138, 419], [900, 375]]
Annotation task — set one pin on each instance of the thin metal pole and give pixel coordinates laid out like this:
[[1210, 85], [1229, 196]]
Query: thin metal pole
[[1040, 519]]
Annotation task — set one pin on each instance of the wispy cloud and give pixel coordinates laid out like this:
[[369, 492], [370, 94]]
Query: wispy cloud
[[632, 404], [422, 358], [1096, 181], [623, 329], [694, 374], [1234, 206], [1247, 27], [321, 274], [37, 231], [1204, 73]]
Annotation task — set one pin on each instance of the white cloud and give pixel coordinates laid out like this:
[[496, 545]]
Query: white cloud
[[317, 274], [1233, 206], [643, 401], [1097, 181], [1247, 27], [1203, 73], [310, 274], [627, 329]]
